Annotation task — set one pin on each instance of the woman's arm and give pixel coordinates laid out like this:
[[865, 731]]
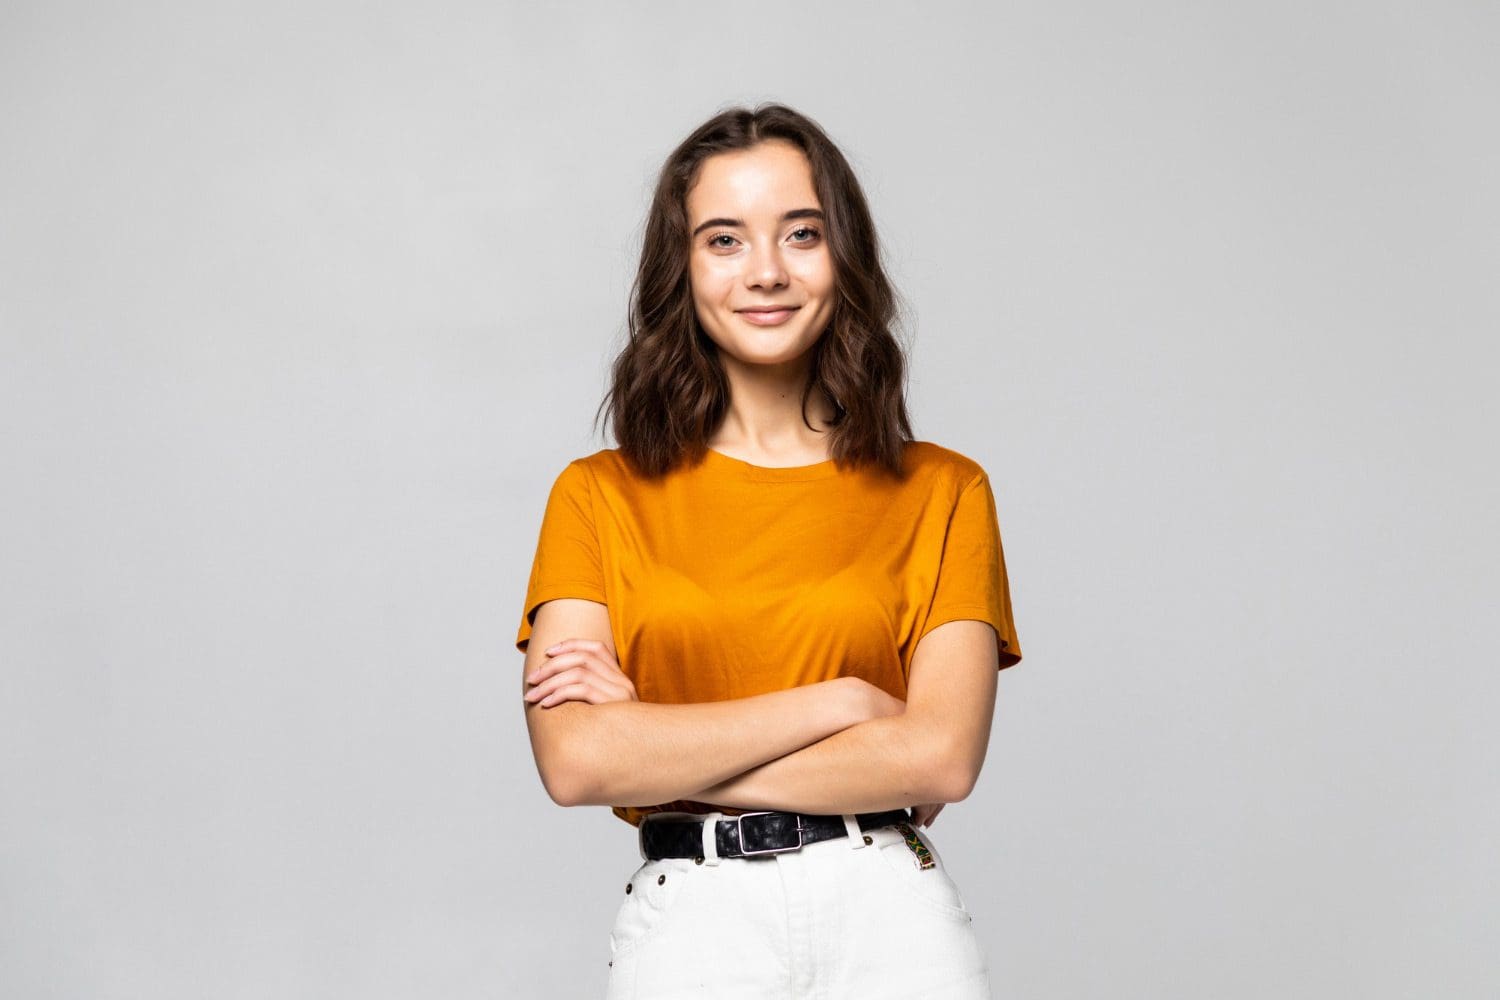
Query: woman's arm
[[890, 763], [931, 753], [627, 752]]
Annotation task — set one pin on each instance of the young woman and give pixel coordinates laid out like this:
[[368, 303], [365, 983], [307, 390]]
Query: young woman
[[765, 629]]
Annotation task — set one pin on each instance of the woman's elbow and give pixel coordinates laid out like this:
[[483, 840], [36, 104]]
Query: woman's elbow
[[575, 783], [562, 785], [937, 767], [563, 762], [961, 781], [956, 771]]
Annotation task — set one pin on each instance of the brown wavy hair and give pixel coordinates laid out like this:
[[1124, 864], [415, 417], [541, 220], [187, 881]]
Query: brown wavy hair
[[668, 390]]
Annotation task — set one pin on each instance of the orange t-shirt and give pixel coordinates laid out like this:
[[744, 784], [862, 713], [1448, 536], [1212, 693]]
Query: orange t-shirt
[[726, 579]]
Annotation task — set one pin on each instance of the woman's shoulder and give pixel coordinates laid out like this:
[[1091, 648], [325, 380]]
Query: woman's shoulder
[[607, 465], [933, 459], [595, 461]]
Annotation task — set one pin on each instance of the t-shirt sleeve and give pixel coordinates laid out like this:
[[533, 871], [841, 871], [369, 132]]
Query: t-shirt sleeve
[[971, 581], [567, 561]]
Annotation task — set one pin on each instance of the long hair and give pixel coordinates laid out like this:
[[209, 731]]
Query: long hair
[[668, 390]]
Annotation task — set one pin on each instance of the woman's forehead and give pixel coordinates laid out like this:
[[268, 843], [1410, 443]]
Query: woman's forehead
[[758, 184]]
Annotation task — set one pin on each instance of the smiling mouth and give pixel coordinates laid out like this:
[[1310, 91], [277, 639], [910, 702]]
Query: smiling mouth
[[767, 317]]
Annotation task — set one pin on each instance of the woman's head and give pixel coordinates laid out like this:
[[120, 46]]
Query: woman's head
[[669, 388], [756, 240]]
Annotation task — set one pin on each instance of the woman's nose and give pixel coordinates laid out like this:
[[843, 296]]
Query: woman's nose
[[765, 268]]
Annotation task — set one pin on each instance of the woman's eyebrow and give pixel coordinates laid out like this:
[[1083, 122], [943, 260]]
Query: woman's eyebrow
[[796, 213]]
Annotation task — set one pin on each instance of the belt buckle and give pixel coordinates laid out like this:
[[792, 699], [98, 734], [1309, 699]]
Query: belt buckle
[[740, 829]]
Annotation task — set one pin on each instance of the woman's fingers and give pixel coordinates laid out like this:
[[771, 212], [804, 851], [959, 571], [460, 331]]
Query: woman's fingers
[[568, 686], [572, 679], [923, 815], [592, 647], [581, 683], [561, 662], [549, 667], [570, 692], [571, 652], [591, 656]]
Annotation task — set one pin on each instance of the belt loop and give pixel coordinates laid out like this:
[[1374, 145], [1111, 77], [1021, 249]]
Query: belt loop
[[856, 835], [711, 838]]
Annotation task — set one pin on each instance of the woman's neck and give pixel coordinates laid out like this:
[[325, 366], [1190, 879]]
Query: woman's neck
[[764, 425]]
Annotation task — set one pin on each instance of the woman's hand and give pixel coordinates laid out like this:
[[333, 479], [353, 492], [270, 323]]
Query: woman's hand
[[923, 815], [871, 702], [579, 670]]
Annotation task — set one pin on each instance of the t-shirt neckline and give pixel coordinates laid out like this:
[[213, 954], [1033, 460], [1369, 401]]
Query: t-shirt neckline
[[769, 473]]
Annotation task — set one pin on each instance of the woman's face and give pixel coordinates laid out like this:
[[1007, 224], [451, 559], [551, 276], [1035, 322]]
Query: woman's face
[[758, 240]]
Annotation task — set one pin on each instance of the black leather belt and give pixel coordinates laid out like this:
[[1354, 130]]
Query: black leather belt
[[750, 834]]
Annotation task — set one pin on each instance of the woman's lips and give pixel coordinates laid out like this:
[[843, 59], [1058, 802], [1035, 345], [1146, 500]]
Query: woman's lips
[[767, 318]]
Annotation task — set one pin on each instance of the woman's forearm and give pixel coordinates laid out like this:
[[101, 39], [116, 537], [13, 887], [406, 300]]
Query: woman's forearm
[[886, 763], [642, 753]]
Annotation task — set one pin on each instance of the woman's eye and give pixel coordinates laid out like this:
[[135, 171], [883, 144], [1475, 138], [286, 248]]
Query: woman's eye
[[802, 234]]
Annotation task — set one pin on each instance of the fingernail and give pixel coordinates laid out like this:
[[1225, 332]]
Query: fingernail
[[554, 647]]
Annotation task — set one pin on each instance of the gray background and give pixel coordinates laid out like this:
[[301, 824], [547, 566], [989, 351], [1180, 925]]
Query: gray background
[[304, 306]]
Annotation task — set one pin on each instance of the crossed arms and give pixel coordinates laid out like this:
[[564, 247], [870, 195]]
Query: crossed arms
[[839, 746]]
